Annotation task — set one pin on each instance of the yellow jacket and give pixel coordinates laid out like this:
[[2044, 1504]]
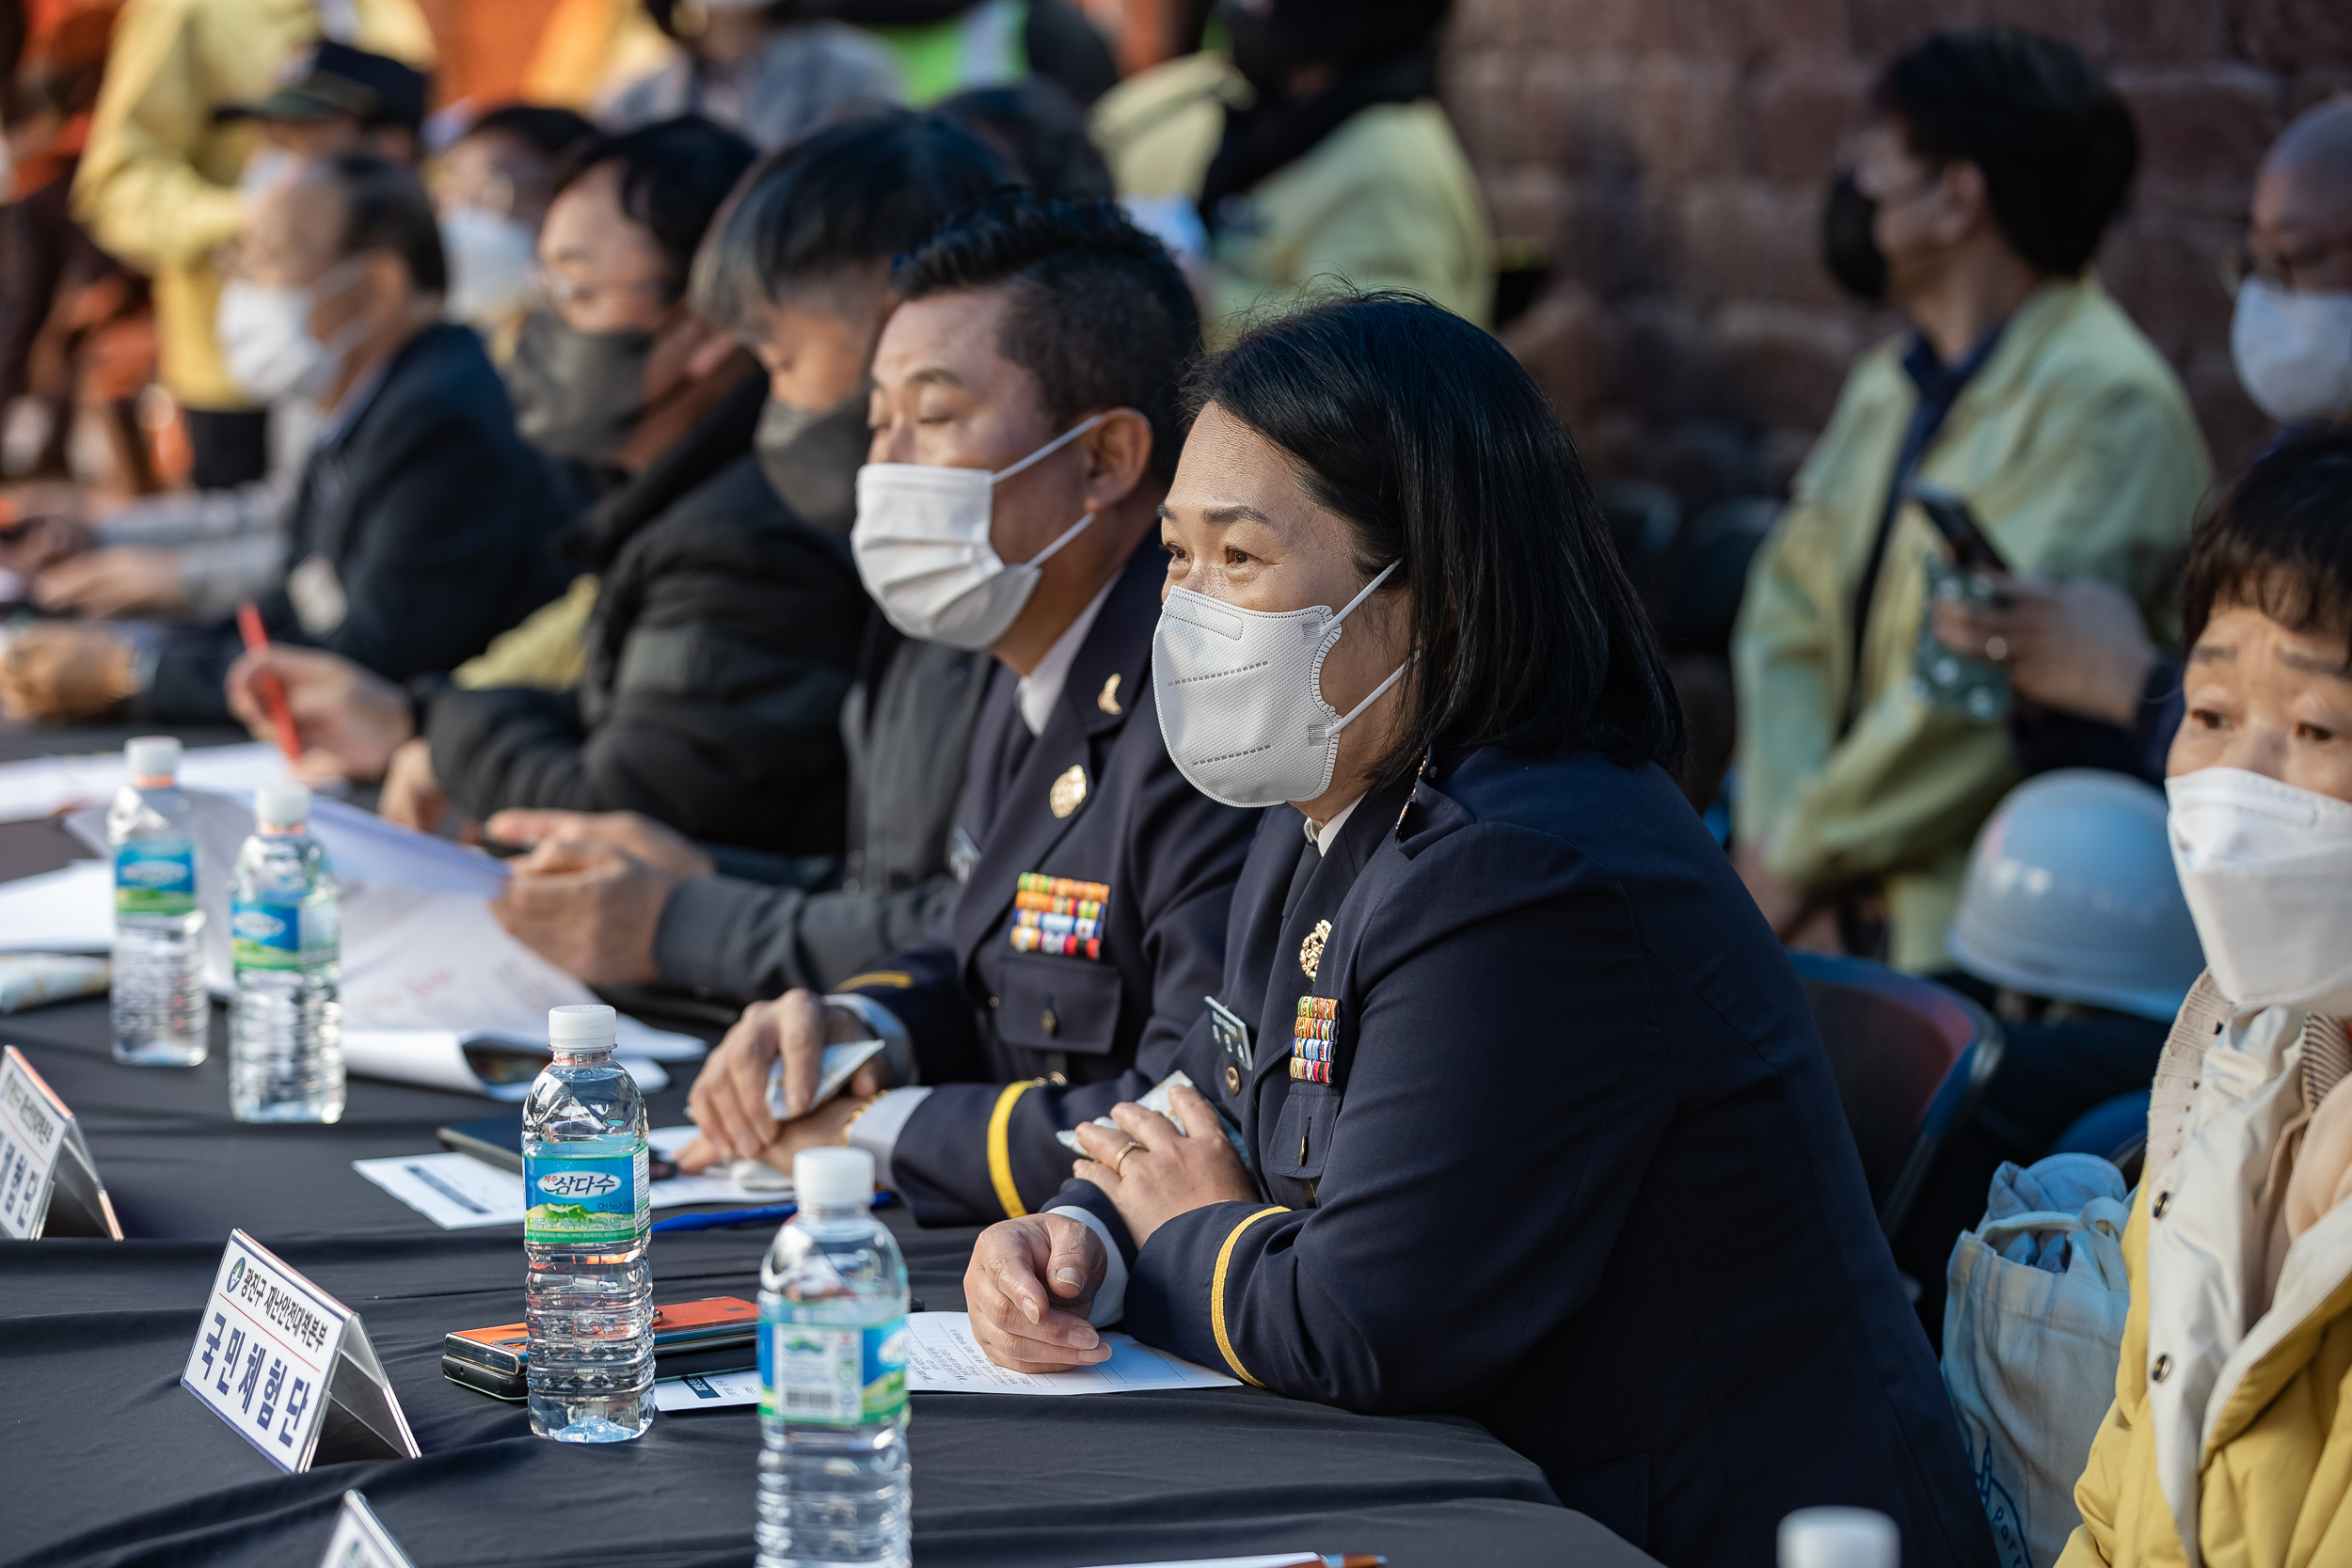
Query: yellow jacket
[[2257, 1444], [157, 187], [1386, 202], [2074, 447]]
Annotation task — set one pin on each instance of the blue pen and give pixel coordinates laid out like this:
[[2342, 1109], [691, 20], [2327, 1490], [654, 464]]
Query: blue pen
[[772, 1213]]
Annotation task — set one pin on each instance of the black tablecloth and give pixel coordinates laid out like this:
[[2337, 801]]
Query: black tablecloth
[[109, 1461]]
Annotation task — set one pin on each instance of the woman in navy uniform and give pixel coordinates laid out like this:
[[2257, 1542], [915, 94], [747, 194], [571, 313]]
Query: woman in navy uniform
[[1508, 1105]]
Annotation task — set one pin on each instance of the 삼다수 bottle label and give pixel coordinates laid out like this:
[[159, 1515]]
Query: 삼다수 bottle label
[[824, 1376], [586, 1199], [268, 935], [155, 877]]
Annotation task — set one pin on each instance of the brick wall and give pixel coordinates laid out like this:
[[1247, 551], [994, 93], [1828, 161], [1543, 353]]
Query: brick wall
[[1669, 157]]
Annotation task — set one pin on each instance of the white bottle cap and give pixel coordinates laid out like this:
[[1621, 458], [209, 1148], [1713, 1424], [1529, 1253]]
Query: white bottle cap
[[286, 806], [833, 1178], [582, 1025], [152, 756], [1839, 1538]]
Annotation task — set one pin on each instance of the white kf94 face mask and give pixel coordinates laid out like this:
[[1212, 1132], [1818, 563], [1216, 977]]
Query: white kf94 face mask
[[2267, 869], [923, 551], [1240, 694]]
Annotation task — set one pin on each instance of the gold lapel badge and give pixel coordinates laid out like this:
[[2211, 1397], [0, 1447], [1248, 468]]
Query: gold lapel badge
[[1311, 951], [1109, 701], [1069, 791]]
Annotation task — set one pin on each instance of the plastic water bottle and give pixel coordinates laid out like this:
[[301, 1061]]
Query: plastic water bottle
[[161, 1012], [1839, 1538], [832, 1374], [588, 1296], [285, 941]]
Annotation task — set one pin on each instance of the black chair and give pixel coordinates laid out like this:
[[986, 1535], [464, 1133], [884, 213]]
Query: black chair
[[1911, 1061]]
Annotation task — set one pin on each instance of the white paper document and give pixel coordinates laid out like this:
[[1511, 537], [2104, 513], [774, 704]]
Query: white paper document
[[42, 786], [944, 1358], [70, 910], [458, 1191]]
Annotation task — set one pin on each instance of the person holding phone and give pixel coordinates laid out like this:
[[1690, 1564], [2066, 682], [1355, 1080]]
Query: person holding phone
[[1972, 200]]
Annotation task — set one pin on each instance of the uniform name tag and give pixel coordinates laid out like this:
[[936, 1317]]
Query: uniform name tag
[[1230, 1034], [361, 1540], [272, 1352], [49, 1184]]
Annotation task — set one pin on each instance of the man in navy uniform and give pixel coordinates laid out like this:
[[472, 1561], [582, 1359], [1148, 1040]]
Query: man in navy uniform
[[1026, 425]]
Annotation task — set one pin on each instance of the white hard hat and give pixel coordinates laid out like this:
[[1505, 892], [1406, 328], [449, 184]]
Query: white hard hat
[[2072, 895]]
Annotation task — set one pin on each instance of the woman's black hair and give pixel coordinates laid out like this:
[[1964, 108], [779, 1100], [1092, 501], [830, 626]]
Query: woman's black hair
[[2054, 142], [1040, 132], [674, 173], [2279, 542], [1443, 455], [855, 193]]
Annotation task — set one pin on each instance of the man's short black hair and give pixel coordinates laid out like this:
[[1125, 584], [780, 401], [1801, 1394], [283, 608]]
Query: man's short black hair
[[2279, 542], [1099, 313], [551, 132], [675, 174], [853, 194], [386, 208], [2056, 143]]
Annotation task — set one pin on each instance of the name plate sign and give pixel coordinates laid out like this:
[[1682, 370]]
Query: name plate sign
[[289, 1367], [361, 1540], [49, 1184]]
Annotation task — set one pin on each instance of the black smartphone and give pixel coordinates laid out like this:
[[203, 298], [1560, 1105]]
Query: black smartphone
[[1948, 511]]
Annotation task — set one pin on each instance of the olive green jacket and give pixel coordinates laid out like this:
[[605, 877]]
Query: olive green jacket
[[2075, 449], [1386, 202]]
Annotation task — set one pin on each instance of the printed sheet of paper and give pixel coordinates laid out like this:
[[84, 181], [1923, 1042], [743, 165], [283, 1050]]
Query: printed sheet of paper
[[42, 786], [944, 1358], [70, 910], [458, 1191]]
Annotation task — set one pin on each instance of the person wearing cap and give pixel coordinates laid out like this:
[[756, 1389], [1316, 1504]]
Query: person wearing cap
[[2072, 925], [420, 530], [161, 180]]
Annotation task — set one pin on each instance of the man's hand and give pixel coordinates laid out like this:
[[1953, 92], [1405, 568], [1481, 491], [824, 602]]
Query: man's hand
[[61, 671], [412, 795], [55, 526], [588, 909], [2072, 647], [633, 835], [122, 580], [348, 718], [1154, 1173], [1028, 1288], [729, 1101]]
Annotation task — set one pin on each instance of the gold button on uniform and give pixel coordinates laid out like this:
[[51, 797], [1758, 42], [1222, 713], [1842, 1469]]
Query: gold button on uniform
[[1233, 1079], [1069, 791]]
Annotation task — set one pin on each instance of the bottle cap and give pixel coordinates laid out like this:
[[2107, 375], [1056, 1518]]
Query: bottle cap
[[152, 756], [582, 1025], [1839, 1538], [833, 1178], [286, 806]]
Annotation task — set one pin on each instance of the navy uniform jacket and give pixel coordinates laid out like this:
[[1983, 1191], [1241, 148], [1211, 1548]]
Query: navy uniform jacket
[[1093, 798], [1578, 1172]]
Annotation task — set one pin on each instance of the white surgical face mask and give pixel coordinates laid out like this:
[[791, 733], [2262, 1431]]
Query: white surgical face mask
[[2293, 350], [1240, 694], [490, 261], [2267, 869], [264, 334], [923, 550]]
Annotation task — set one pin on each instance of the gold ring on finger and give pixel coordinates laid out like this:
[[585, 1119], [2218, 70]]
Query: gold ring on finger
[[1119, 1158]]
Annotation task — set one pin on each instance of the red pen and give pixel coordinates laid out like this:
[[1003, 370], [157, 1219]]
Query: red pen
[[272, 688]]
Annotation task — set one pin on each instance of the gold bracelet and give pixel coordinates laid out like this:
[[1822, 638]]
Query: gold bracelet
[[871, 1102]]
